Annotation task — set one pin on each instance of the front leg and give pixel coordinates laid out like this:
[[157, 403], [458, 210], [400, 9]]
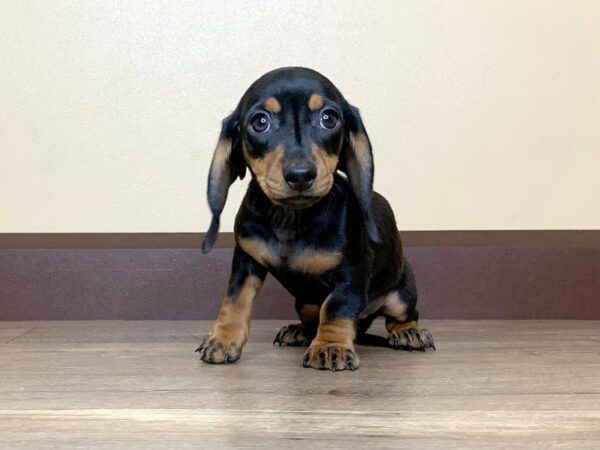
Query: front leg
[[333, 346], [229, 332]]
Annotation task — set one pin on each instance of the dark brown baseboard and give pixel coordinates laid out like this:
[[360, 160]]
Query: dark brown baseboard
[[460, 275], [447, 238]]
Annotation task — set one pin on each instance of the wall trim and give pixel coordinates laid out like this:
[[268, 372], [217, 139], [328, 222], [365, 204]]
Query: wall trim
[[154, 276], [445, 238]]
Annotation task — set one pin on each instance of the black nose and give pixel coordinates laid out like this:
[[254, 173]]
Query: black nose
[[300, 177]]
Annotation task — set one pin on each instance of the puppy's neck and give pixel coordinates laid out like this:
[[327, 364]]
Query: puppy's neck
[[289, 223]]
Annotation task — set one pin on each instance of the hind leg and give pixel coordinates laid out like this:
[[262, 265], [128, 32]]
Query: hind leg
[[300, 334], [401, 316]]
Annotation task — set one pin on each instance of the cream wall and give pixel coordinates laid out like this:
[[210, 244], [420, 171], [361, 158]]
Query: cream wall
[[483, 114]]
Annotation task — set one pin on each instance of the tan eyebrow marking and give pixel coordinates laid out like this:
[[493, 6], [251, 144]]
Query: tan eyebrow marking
[[315, 102], [272, 105]]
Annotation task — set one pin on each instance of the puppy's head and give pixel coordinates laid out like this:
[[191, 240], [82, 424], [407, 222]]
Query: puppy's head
[[293, 129]]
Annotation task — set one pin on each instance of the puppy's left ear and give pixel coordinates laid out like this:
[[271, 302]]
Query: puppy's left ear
[[356, 161], [227, 164]]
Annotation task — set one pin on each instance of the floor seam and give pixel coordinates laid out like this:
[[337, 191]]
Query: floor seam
[[19, 335]]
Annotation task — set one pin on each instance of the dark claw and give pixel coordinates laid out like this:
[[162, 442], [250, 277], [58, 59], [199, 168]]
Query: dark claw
[[306, 362], [277, 339], [295, 334], [350, 366], [202, 344], [396, 342], [421, 343], [408, 338]]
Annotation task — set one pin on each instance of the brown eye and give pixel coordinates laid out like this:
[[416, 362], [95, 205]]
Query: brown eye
[[329, 119], [260, 123]]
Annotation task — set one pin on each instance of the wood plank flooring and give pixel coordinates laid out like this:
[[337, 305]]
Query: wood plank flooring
[[121, 384]]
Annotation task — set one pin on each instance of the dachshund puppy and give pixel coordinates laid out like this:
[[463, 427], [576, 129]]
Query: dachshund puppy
[[311, 219]]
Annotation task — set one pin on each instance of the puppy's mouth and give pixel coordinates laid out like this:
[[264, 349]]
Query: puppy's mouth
[[298, 201], [281, 195]]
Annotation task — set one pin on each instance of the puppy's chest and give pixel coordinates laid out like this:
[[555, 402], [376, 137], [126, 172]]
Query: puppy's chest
[[283, 252]]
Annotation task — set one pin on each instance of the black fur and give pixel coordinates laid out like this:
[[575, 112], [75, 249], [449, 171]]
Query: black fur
[[350, 218]]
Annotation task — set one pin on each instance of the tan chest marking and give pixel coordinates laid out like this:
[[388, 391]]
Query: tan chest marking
[[260, 251], [314, 261]]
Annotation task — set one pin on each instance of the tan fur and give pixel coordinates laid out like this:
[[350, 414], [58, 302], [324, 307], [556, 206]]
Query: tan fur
[[315, 262], [360, 145], [326, 162], [292, 334], [272, 105], [269, 172], [408, 335], [333, 347], [398, 327], [233, 322], [326, 167], [219, 167], [358, 163], [315, 102], [260, 251], [221, 154], [334, 332], [394, 307]]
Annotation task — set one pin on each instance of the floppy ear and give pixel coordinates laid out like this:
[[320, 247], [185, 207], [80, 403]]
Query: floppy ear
[[227, 164], [356, 161]]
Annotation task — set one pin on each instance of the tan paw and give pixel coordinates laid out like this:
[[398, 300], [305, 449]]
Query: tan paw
[[408, 336], [292, 335], [330, 356], [217, 351]]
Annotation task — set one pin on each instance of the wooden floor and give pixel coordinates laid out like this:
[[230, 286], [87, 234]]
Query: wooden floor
[[140, 385]]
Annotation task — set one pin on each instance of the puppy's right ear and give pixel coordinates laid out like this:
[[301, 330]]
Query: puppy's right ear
[[227, 164]]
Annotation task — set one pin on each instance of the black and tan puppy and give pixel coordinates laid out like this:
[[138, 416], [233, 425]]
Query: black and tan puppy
[[325, 235]]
